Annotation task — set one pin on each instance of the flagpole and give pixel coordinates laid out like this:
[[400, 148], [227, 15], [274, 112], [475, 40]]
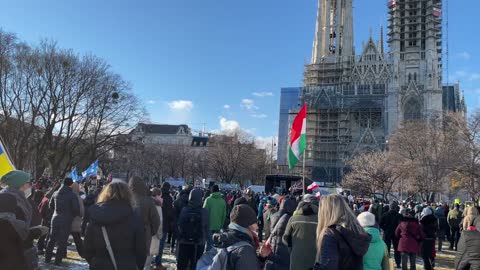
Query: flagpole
[[303, 175]]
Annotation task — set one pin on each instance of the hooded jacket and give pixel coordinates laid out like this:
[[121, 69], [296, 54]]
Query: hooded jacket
[[410, 234], [217, 210], [241, 258], [300, 236], [194, 204], [374, 258], [442, 222], [280, 256], [169, 219], [145, 205], [390, 221], [125, 232], [342, 249]]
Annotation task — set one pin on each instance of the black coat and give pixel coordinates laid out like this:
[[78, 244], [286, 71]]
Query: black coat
[[389, 223], [11, 248], [342, 249], [125, 232], [468, 257], [168, 213], [65, 205]]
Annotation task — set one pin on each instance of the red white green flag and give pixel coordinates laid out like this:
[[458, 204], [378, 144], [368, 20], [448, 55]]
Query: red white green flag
[[298, 138]]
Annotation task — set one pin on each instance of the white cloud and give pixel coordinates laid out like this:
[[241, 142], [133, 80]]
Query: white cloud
[[226, 107], [465, 75], [185, 105], [260, 115], [151, 102], [263, 94], [248, 104], [228, 125], [464, 56], [266, 143]]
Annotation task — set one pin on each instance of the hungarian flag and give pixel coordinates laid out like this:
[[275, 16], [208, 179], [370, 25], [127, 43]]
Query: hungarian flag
[[298, 138]]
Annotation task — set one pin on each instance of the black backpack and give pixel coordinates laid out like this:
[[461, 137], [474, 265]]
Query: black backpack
[[190, 225]]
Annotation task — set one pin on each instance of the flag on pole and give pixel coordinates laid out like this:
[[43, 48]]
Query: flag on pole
[[6, 164], [298, 138], [92, 170], [74, 175]]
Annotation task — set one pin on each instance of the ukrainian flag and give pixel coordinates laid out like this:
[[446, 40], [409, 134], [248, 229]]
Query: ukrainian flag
[[5, 163]]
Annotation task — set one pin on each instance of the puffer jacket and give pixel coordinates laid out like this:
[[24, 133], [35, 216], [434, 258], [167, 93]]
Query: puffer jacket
[[125, 232], [342, 249], [300, 236], [280, 257], [145, 205], [217, 210], [242, 258], [375, 259]]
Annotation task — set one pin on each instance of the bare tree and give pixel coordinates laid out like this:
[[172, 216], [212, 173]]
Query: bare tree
[[371, 172]]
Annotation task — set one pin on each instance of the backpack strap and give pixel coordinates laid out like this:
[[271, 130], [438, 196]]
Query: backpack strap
[[109, 247]]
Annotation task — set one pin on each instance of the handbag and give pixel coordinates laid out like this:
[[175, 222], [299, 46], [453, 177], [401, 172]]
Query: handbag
[[387, 263], [109, 247]]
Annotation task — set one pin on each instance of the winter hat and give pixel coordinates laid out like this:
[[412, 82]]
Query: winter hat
[[240, 201], [15, 179], [394, 205], [426, 212], [366, 219], [243, 215]]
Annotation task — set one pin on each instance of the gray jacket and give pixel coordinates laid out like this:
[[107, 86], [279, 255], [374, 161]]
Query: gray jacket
[[65, 206]]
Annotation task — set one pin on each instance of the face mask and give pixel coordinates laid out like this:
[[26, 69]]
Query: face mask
[[28, 192]]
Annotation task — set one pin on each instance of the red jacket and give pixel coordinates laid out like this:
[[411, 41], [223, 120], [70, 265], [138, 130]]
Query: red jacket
[[410, 234]]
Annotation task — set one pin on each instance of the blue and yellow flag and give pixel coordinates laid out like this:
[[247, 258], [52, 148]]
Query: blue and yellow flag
[[5, 164]]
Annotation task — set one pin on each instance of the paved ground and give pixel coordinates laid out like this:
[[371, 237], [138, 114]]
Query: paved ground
[[444, 261]]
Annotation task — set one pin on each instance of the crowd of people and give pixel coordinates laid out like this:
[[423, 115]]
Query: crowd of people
[[129, 225]]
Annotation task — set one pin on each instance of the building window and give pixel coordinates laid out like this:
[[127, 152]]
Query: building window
[[412, 110]]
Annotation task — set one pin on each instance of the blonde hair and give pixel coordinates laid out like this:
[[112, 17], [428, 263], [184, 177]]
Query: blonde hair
[[115, 191], [334, 210], [75, 188], [469, 215]]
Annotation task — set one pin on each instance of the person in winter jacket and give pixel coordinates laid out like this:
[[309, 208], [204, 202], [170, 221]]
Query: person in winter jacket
[[377, 210], [442, 226], [468, 257], [169, 222], [388, 224], [410, 235], [65, 205], [280, 257], [90, 200], [193, 226], [12, 233], [469, 215], [242, 228], [268, 212], [454, 220], [429, 225], [17, 185], [46, 214], [260, 222], [77, 221], [126, 234], [180, 202], [250, 197], [217, 211], [377, 256], [145, 205], [155, 245], [300, 234], [341, 241]]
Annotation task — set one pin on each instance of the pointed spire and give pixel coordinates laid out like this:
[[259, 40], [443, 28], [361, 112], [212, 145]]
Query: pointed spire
[[381, 40], [371, 33]]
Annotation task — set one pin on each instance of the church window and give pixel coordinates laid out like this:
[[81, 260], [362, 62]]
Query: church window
[[412, 110]]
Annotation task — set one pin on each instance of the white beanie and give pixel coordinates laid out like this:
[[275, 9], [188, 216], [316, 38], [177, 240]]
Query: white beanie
[[366, 219]]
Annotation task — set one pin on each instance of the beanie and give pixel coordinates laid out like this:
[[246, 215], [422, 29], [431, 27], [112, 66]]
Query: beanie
[[239, 201], [243, 215], [15, 179], [366, 219]]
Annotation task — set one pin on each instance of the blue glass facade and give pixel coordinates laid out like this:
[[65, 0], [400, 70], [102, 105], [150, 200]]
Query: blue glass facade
[[288, 100]]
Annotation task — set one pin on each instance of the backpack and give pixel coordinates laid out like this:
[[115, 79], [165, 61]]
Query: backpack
[[190, 225], [217, 258]]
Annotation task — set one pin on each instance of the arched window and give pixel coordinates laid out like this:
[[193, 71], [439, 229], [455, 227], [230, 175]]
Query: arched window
[[412, 110]]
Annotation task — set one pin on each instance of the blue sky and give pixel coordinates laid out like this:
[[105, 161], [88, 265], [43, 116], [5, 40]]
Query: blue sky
[[199, 62]]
